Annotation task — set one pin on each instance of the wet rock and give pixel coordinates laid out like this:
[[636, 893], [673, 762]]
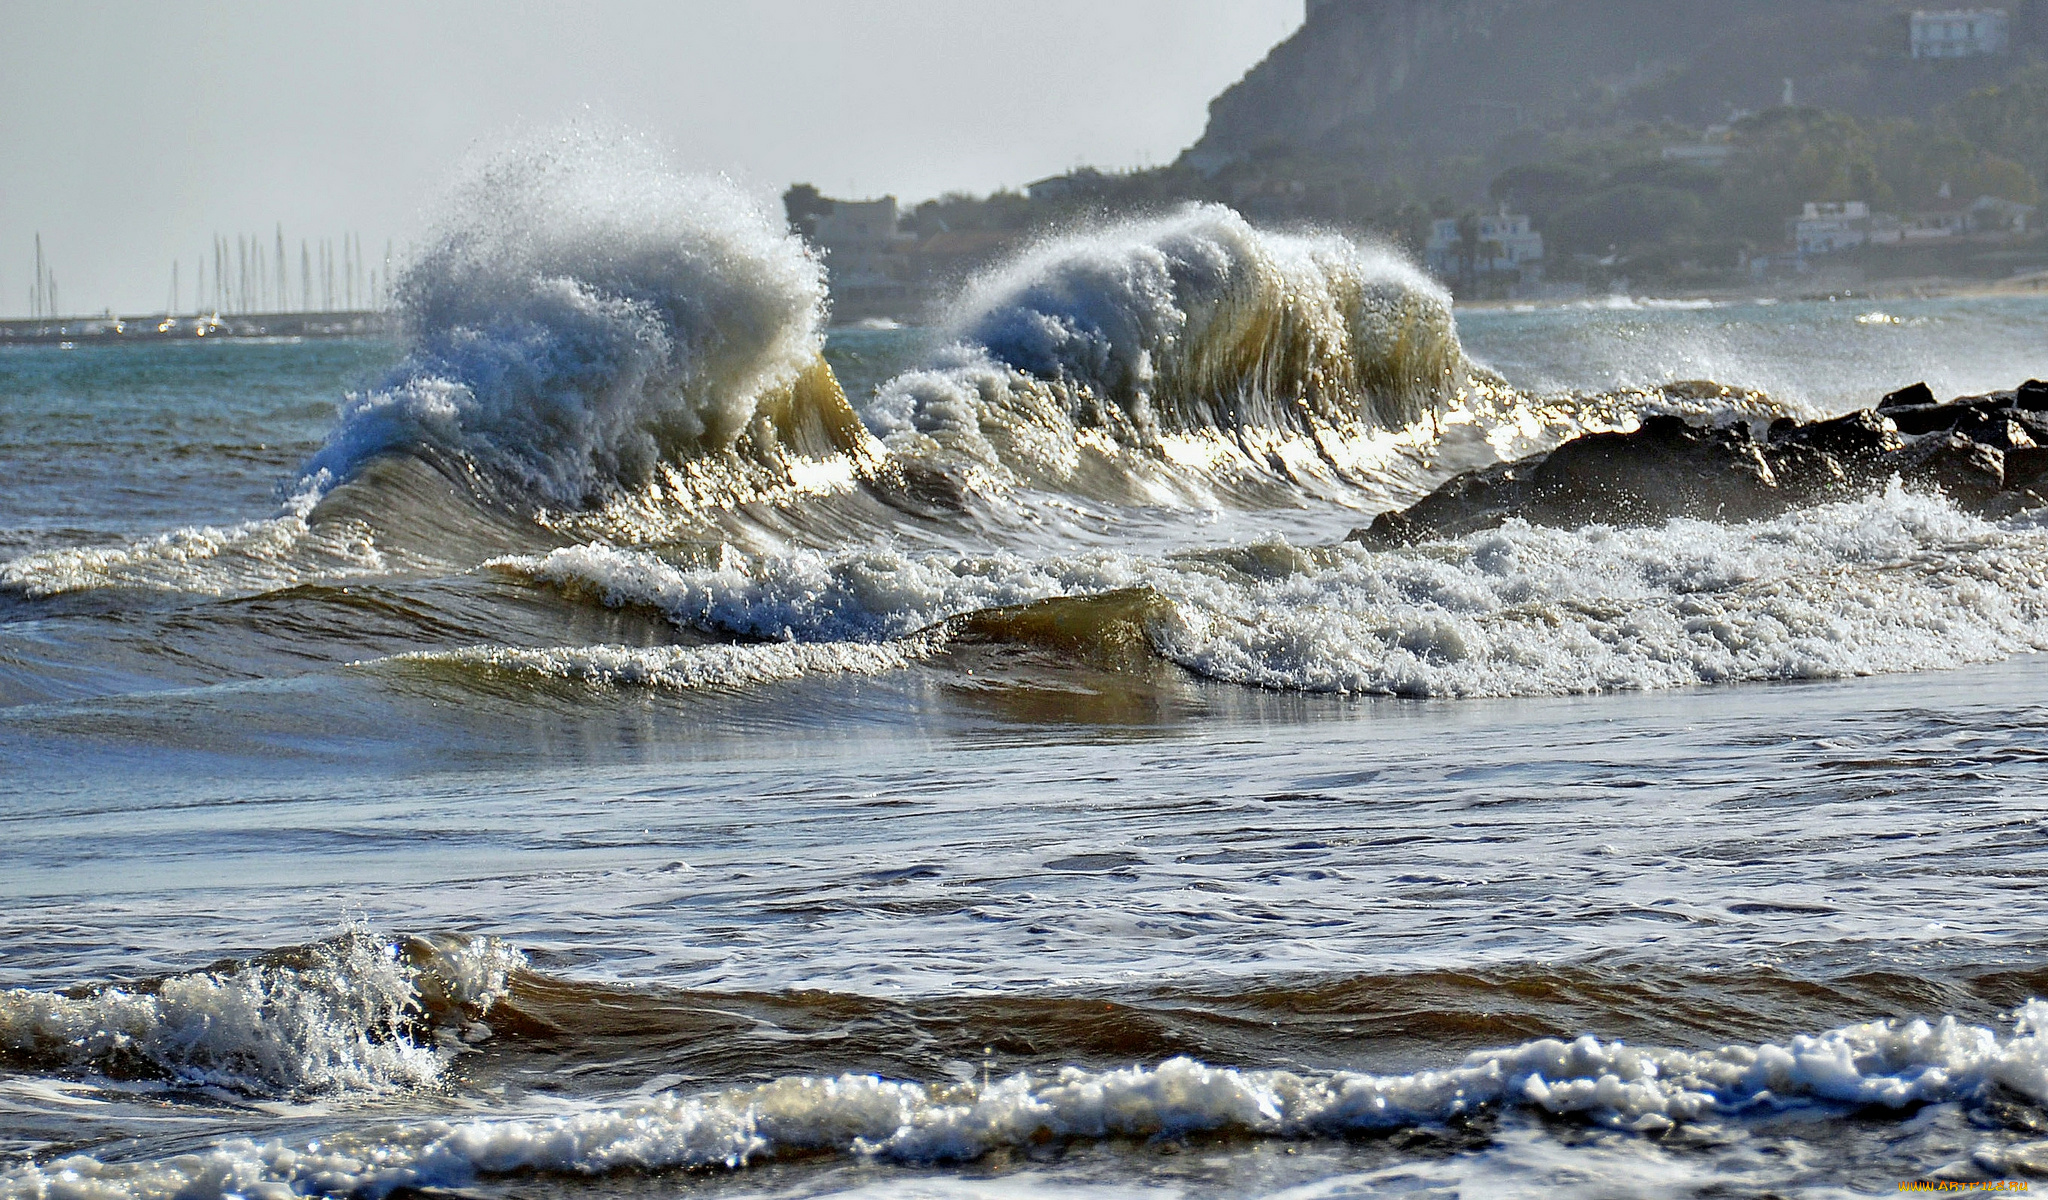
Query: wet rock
[[1970, 473], [923, 489], [1916, 419], [1466, 503], [1987, 453], [2000, 431], [1667, 468], [1713, 473], [1910, 396], [1821, 454], [2025, 465], [1807, 474]]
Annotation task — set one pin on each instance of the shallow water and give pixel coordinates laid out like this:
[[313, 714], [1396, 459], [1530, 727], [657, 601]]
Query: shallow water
[[1008, 824]]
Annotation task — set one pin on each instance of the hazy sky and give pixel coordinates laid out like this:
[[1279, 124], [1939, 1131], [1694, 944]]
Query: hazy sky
[[134, 132]]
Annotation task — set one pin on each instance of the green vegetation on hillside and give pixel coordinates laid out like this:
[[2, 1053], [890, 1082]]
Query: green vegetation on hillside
[[1607, 202]]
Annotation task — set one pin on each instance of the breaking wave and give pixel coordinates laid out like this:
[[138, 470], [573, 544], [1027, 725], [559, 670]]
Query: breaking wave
[[357, 1014], [1893, 582], [599, 346], [586, 314], [1096, 351], [1895, 1065]]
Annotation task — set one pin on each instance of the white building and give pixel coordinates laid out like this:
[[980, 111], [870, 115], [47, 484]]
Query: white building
[[1960, 33], [866, 260], [856, 226], [1700, 154], [1506, 243], [1826, 227], [1990, 214]]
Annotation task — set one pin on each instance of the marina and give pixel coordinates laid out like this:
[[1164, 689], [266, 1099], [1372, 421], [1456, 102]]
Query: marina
[[109, 329]]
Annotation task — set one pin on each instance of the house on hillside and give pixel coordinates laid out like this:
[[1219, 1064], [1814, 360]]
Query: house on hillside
[[1505, 244], [1960, 33], [860, 227], [1079, 183], [1712, 155], [1990, 214], [1829, 227], [1949, 220], [1988, 217], [1825, 227], [867, 260]]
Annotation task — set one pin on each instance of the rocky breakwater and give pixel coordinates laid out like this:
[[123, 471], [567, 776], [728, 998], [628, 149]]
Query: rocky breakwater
[[1987, 453]]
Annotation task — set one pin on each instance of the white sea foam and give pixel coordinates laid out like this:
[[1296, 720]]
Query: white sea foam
[[684, 668], [866, 595], [208, 560], [340, 1016], [1622, 302], [1894, 582], [584, 314], [1889, 1064]]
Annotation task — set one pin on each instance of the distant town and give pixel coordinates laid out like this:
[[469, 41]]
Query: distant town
[[1919, 156], [1753, 147]]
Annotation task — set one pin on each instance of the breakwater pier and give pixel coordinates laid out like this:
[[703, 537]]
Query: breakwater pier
[[108, 329]]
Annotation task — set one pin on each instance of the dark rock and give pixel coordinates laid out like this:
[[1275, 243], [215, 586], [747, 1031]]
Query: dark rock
[[2031, 395], [1984, 452], [2014, 500], [1463, 504], [2025, 465], [923, 489], [1395, 527], [1860, 434], [1806, 473], [1917, 419], [1814, 460], [2000, 431], [2035, 423], [1968, 472], [1914, 394], [1989, 418], [1665, 469]]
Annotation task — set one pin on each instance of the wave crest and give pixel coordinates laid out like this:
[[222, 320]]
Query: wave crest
[[1193, 323], [584, 314], [353, 1014]]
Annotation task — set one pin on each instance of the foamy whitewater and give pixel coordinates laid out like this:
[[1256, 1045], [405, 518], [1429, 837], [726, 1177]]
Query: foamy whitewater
[[1882, 1064], [633, 732]]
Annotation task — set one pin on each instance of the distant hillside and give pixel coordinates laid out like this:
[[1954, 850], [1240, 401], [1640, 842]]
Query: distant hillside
[[1402, 83]]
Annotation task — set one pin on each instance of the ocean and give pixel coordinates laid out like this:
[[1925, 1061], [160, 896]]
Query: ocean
[[628, 737]]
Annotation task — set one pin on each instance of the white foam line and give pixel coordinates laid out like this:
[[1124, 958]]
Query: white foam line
[[688, 667], [1885, 1063]]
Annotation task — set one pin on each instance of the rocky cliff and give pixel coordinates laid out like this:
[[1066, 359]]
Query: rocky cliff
[[1406, 79]]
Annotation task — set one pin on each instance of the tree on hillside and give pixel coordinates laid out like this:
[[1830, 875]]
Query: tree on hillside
[[1918, 161], [1628, 217], [2010, 120], [1787, 156], [803, 204], [1544, 189]]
